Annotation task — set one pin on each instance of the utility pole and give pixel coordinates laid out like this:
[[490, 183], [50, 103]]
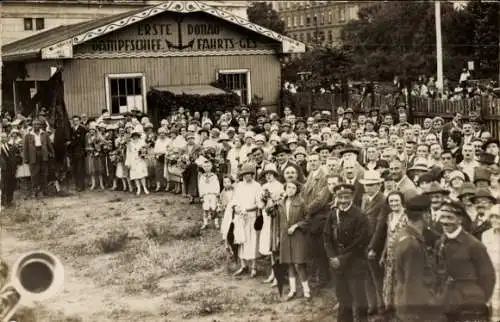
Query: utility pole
[[439, 47]]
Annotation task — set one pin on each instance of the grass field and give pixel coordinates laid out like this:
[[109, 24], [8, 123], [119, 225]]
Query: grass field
[[131, 258]]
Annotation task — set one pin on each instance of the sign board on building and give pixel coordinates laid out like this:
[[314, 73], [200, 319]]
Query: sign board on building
[[177, 34]]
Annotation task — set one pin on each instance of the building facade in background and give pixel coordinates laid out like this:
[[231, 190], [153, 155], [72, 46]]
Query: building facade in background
[[179, 46], [24, 18], [317, 22]]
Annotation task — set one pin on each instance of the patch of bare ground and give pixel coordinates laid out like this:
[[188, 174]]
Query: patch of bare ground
[[143, 258]]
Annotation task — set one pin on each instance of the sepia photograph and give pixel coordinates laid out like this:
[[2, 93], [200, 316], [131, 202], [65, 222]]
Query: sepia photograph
[[250, 161]]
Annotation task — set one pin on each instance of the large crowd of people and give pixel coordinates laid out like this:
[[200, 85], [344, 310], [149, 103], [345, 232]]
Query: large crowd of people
[[402, 219]]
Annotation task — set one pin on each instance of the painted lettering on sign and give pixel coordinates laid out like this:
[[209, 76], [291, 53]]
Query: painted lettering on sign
[[178, 35]]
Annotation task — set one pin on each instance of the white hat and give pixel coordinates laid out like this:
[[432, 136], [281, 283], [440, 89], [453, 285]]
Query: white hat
[[371, 177], [191, 128], [259, 138], [138, 130], [249, 134]]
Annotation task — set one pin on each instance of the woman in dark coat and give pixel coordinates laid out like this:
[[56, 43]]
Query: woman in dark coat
[[294, 238]]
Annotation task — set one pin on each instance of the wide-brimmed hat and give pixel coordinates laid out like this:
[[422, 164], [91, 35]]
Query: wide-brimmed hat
[[349, 149], [249, 135], [247, 168], [436, 188], [371, 177], [223, 137], [292, 139], [281, 149], [457, 174], [418, 167], [481, 174], [260, 138], [316, 137], [486, 158], [467, 189], [483, 193], [323, 146], [270, 168], [490, 141], [418, 203], [454, 207], [300, 150]]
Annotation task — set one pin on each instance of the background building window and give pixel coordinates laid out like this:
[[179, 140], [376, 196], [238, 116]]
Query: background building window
[[301, 20], [330, 36], [28, 24], [125, 93], [341, 14], [238, 81], [308, 21], [40, 23]]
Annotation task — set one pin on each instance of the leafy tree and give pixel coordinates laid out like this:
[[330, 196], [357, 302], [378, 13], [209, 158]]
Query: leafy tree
[[263, 14], [327, 65], [398, 38]]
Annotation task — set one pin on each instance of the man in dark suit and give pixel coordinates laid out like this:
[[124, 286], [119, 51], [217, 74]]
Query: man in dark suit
[[37, 151], [414, 299], [373, 206], [468, 266], [346, 238], [8, 165], [77, 150], [317, 211]]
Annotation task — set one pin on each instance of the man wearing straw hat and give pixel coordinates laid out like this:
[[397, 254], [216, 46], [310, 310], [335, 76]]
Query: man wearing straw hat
[[373, 205]]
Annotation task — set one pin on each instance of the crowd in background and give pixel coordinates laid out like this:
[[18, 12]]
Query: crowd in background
[[402, 219]]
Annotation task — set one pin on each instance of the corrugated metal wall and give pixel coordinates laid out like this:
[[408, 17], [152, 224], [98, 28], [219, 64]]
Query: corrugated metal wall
[[84, 79]]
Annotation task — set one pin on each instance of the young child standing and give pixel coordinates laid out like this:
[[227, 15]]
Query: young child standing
[[209, 190]]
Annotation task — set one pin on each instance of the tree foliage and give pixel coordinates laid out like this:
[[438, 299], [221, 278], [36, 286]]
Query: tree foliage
[[399, 38], [326, 65], [263, 14]]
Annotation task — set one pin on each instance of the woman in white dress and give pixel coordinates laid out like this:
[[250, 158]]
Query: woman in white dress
[[136, 160], [272, 193], [491, 239], [246, 202]]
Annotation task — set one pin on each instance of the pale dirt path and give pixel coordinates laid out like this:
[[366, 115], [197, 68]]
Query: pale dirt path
[[178, 297]]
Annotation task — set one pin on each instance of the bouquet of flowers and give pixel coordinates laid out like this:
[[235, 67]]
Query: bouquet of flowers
[[150, 140], [270, 205], [143, 152], [172, 157], [107, 146], [96, 147], [183, 161]]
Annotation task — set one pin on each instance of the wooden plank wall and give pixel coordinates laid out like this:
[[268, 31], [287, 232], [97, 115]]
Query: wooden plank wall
[[305, 103], [84, 79]]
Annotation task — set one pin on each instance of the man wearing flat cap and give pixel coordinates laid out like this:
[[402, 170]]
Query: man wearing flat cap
[[471, 276], [346, 239]]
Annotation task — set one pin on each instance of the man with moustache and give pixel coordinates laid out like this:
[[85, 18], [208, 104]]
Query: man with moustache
[[345, 240], [469, 270], [350, 176]]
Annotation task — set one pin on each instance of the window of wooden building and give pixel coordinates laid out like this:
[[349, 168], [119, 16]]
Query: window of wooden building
[[125, 92], [237, 80]]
